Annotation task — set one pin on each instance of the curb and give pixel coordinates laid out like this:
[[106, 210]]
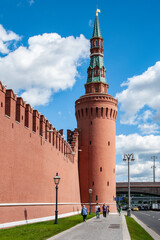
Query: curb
[[125, 232]]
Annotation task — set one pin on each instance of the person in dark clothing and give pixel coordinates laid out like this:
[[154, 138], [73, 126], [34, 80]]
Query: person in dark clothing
[[104, 210]]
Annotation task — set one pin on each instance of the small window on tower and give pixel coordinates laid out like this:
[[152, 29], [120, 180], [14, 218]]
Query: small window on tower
[[90, 142], [91, 122], [108, 143], [108, 183], [100, 169], [96, 197], [93, 183], [96, 43]]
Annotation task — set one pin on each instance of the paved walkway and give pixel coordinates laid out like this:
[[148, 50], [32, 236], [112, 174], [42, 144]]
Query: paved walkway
[[112, 228]]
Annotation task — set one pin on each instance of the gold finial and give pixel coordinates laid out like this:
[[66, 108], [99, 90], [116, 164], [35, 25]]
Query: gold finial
[[98, 11]]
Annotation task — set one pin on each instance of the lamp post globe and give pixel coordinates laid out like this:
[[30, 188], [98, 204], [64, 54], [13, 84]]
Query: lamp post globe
[[90, 192], [56, 181]]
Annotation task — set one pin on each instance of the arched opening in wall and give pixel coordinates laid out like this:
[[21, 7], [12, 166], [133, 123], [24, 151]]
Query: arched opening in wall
[[108, 183], [111, 113], [86, 111], [102, 112], [106, 112], [78, 113], [91, 111], [96, 111], [108, 143], [96, 42], [100, 169], [1, 104], [96, 197], [82, 112], [91, 122]]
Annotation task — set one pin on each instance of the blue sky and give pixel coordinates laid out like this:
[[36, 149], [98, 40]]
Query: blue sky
[[44, 56]]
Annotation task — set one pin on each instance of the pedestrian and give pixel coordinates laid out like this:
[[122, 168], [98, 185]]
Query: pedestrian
[[84, 213], [119, 209], [104, 210], [108, 210], [98, 210]]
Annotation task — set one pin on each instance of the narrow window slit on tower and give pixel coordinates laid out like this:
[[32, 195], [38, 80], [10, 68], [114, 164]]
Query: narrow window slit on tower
[[93, 183], [100, 169], [108, 183], [96, 111], [96, 197], [90, 142], [108, 143], [91, 122]]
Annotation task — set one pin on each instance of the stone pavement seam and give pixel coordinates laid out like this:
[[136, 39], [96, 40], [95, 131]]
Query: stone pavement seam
[[68, 230], [153, 234], [125, 231]]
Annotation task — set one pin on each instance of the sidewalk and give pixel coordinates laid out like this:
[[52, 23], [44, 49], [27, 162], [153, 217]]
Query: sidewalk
[[113, 227]]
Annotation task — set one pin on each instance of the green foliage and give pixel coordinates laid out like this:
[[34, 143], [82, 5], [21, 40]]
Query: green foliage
[[41, 231], [136, 231]]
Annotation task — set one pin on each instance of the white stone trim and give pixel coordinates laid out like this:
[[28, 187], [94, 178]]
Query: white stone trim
[[35, 204], [17, 223]]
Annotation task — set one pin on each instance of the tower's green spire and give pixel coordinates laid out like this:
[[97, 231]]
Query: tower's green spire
[[96, 30], [96, 70]]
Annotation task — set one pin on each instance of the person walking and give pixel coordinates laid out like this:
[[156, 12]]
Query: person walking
[[98, 211], [84, 213], [108, 209], [104, 210], [119, 209]]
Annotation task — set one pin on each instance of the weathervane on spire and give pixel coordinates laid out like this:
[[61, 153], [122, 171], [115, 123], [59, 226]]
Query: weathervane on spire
[[97, 11]]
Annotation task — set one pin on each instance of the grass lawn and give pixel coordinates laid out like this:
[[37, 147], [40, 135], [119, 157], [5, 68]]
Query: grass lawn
[[41, 231], [136, 231]]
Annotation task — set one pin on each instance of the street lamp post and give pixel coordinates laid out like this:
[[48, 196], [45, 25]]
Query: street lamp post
[[125, 158], [56, 181], [90, 192]]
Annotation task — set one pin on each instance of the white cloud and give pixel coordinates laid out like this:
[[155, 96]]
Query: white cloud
[[148, 128], [143, 147], [142, 90], [6, 38], [49, 64], [134, 143]]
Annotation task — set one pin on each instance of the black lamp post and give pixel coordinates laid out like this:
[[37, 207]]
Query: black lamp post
[[128, 157], [56, 181], [90, 192]]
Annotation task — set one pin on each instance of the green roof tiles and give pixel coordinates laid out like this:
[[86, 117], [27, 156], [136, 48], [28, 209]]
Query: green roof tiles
[[96, 30]]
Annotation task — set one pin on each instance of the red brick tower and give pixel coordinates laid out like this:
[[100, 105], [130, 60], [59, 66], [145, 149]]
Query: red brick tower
[[96, 113]]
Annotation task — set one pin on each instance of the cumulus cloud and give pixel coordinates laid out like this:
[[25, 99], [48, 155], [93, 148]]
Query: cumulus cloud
[[136, 143], [6, 39], [49, 64], [141, 91], [143, 148], [148, 128]]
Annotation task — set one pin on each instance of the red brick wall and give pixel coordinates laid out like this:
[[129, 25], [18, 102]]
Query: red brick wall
[[29, 161]]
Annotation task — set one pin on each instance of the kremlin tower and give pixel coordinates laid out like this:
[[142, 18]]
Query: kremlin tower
[[96, 113]]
